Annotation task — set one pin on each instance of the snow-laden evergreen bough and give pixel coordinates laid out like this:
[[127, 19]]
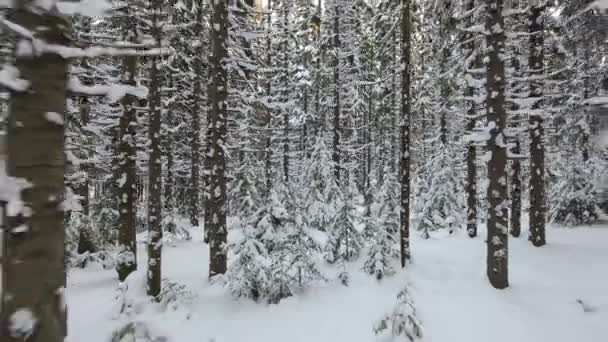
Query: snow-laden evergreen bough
[[383, 229], [276, 255], [344, 237], [401, 321], [440, 201], [574, 198], [321, 188]]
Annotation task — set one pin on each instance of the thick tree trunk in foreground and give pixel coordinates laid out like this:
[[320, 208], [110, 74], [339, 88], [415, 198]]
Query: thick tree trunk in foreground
[[497, 241], [537, 147], [33, 262], [216, 135], [404, 166]]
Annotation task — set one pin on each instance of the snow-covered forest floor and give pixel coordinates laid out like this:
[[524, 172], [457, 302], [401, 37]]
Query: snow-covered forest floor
[[557, 293]]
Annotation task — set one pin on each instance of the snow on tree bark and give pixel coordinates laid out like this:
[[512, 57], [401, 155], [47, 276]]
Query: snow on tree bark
[[155, 229], [404, 165], [216, 135], [537, 147], [34, 275], [471, 182], [336, 90], [126, 188], [497, 240], [195, 131]]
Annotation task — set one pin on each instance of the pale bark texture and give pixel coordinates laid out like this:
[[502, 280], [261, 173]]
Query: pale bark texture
[[216, 136], [537, 147], [33, 261], [497, 241], [404, 165]]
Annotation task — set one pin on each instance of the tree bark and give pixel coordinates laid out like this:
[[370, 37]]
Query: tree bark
[[195, 130], [404, 165], [537, 148], [337, 88], [155, 230], [471, 184], [33, 268], [497, 241], [516, 192], [216, 135], [169, 194], [127, 191]]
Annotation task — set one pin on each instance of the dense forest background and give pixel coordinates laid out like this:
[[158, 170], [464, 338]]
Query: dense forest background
[[294, 133]]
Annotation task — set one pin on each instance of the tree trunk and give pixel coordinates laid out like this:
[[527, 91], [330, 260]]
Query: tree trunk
[[515, 172], [85, 242], [155, 230], [497, 241], [195, 139], [127, 191], [537, 148], [471, 184], [516, 191], [404, 166], [337, 88], [169, 200], [33, 268], [216, 135]]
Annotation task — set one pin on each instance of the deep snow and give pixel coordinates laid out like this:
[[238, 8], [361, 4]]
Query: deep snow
[[558, 293]]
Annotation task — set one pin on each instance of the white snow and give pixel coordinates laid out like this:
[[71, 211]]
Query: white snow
[[9, 78], [599, 4], [455, 302], [22, 323], [55, 118], [558, 293], [91, 8]]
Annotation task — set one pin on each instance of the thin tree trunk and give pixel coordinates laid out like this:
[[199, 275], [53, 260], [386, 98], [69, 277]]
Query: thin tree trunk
[[515, 179], [33, 268], [169, 200], [404, 166], [155, 229], [126, 190], [471, 183], [216, 134], [195, 138], [268, 119], [537, 147], [337, 87], [516, 191], [497, 241]]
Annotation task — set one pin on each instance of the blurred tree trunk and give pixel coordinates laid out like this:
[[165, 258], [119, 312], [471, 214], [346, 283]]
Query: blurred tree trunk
[[33, 266]]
